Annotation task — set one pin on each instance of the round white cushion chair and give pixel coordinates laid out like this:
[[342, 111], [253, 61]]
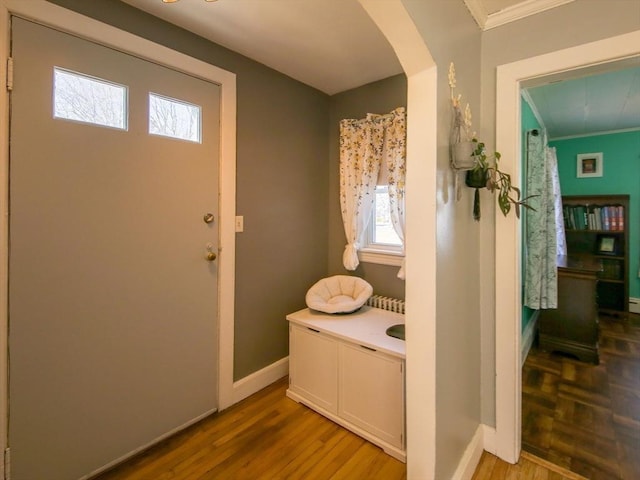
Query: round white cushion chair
[[338, 294]]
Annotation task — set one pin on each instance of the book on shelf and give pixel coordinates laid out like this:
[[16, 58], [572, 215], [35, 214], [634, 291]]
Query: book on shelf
[[594, 217]]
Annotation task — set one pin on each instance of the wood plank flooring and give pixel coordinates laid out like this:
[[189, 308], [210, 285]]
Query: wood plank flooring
[[586, 417], [267, 436], [270, 437], [528, 467], [582, 417]]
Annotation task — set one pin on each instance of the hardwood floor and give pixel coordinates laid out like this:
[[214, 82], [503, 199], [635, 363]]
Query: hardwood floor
[[267, 436], [271, 437], [586, 417], [528, 467]]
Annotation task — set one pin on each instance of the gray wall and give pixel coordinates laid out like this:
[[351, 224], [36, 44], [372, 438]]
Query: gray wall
[[282, 183], [377, 97], [452, 36], [575, 23]]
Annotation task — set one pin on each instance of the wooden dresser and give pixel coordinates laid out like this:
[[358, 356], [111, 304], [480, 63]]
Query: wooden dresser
[[573, 327]]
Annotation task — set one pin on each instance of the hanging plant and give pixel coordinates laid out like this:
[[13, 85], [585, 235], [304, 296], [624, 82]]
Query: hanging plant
[[483, 172]]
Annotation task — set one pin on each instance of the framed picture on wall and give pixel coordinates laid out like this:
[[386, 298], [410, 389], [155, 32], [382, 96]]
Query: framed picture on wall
[[589, 165]]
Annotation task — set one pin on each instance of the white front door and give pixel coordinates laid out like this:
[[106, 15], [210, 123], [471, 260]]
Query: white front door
[[112, 301]]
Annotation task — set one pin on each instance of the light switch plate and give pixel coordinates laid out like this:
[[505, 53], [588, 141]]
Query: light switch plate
[[239, 224]]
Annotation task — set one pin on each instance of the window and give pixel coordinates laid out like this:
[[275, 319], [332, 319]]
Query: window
[[173, 118], [86, 99], [381, 244]]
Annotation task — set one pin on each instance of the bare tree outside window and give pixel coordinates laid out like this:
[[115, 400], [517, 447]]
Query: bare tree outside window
[[88, 99], [173, 118]]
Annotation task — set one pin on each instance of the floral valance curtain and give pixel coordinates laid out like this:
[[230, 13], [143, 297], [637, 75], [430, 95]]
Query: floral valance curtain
[[364, 145]]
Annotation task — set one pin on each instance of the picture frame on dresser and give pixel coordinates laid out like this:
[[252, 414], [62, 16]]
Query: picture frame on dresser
[[607, 245]]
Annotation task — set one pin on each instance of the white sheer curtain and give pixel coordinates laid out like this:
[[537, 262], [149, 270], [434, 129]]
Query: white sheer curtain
[[541, 275], [395, 155], [364, 145], [561, 240]]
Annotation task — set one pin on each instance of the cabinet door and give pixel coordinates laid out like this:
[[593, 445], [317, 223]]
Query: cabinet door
[[371, 390], [314, 367]]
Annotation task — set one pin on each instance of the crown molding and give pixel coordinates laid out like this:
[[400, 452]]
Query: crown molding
[[478, 12], [510, 14], [527, 98]]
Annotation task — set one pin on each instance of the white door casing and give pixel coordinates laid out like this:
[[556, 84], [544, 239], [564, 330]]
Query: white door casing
[[508, 238]]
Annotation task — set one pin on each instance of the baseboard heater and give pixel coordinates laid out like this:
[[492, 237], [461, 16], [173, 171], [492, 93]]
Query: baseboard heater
[[386, 303]]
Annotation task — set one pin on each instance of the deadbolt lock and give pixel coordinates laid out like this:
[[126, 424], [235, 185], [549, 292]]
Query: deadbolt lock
[[208, 218]]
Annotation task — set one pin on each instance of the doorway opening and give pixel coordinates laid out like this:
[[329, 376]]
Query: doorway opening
[[508, 235]]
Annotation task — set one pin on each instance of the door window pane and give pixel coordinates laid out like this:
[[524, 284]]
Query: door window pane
[[88, 99], [173, 118]]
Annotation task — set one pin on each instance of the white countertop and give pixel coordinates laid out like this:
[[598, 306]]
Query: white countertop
[[365, 327]]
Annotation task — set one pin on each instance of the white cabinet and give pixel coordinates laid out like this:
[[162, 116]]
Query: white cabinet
[[353, 383], [313, 374], [371, 387]]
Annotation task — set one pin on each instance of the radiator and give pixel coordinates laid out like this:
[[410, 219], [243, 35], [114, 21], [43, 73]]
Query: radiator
[[386, 303]]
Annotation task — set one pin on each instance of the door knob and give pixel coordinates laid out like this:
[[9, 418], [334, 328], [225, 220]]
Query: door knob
[[210, 256], [208, 218]]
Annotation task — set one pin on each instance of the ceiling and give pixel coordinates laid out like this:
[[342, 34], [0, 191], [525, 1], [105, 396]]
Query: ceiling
[[300, 38], [600, 99], [333, 45]]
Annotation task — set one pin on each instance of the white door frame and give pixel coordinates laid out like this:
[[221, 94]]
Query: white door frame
[[62, 19], [507, 234]]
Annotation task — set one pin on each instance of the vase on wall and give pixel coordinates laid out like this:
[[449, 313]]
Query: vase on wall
[[462, 157]]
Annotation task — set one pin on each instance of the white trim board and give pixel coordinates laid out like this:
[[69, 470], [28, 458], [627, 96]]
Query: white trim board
[[471, 457], [255, 382], [57, 17], [634, 305], [515, 12], [507, 233]]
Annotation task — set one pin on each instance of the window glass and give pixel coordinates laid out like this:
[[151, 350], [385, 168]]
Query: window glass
[[88, 99], [173, 118], [383, 231]]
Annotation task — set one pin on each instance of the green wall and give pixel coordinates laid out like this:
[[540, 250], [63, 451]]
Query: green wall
[[621, 175], [528, 121]]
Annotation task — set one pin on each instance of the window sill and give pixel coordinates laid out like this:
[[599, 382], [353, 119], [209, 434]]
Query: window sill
[[381, 257]]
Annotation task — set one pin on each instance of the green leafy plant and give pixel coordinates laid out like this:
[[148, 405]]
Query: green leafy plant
[[496, 181]]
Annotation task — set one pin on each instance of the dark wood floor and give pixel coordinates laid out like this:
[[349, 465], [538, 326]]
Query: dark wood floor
[[586, 417]]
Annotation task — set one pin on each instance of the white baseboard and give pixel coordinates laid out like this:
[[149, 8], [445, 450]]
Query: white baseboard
[[634, 305], [471, 457], [489, 439], [255, 382], [528, 336]]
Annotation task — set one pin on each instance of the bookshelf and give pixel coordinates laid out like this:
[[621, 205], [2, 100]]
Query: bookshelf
[[596, 227]]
